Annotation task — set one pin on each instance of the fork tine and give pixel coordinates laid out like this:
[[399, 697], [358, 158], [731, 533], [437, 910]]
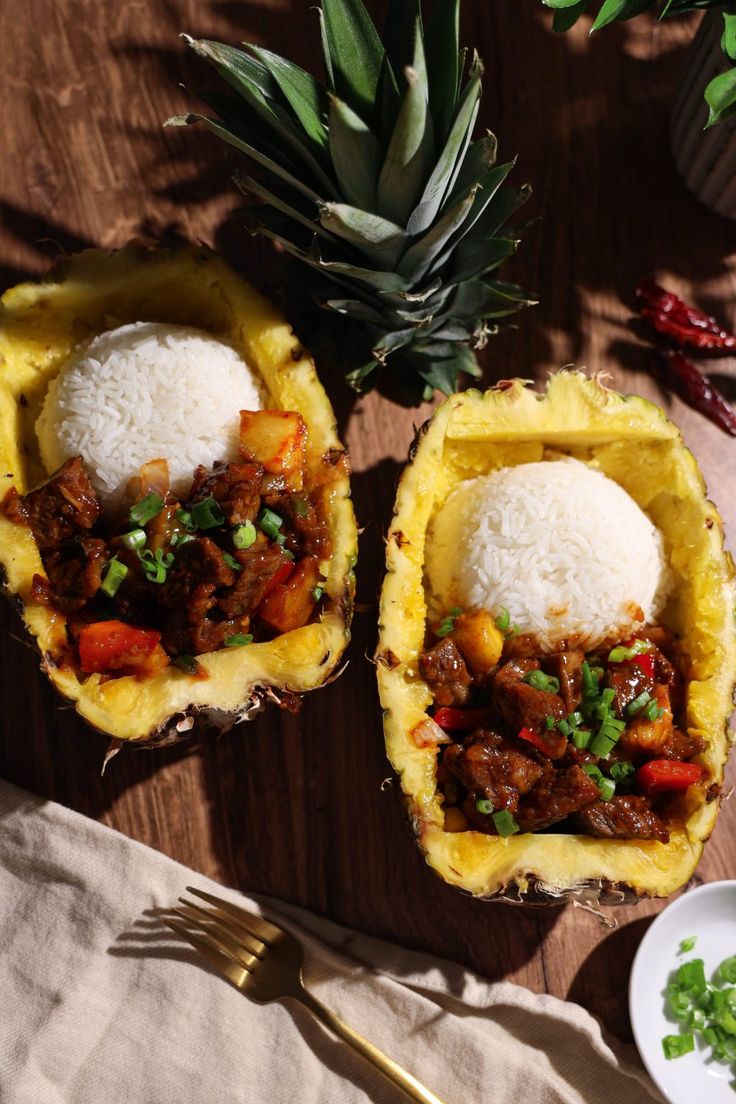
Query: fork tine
[[221, 939], [256, 925], [195, 913], [236, 974]]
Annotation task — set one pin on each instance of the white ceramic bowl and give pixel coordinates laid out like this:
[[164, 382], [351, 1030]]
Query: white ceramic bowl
[[708, 912]]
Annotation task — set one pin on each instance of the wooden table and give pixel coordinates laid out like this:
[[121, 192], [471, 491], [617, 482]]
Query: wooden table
[[297, 807]]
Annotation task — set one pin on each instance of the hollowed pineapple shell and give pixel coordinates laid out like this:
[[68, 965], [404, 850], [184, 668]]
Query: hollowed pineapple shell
[[40, 324], [632, 442]]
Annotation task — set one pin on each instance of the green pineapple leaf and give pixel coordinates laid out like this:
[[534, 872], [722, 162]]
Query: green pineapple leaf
[[355, 52], [444, 63], [356, 155]]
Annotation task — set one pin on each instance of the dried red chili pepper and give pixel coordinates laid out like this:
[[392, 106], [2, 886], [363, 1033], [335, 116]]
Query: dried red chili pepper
[[675, 318], [681, 376]]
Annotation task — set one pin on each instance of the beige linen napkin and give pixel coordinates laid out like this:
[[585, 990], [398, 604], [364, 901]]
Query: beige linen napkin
[[99, 1004]]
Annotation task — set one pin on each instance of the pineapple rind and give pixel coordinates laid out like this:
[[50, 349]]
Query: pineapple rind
[[632, 441], [40, 324]]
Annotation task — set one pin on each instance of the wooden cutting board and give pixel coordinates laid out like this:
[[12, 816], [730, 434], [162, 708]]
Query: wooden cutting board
[[298, 807]]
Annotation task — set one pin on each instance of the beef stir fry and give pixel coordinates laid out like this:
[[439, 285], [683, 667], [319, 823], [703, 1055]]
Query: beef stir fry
[[236, 559], [585, 743]]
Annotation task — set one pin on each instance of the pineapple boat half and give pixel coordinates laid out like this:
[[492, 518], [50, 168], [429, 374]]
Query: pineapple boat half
[[557, 650], [176, 523]]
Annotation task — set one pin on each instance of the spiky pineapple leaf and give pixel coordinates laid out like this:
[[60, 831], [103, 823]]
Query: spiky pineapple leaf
[[479, 158], [475, 257], [276, 199], [356, 53], [450, 161], [356, 155], [306, 97], [410, 152], [398, 32], [444, 69], [485, 191], [378, 238], [418, 258]]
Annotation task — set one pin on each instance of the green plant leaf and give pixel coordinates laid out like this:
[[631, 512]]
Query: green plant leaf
[[416, 261], [326, 59], [442, 47], [410, 152], [307, 98], [485, 190], [450, 161], [720, 95], [355, 52], [440, 374], [356, 155], [563, 20], [475, 257], [614, 10], [479, 159], [383, 282], [378, 238], [560, 5], [355, 308], [728, 41], [388, 341], [271, 195]]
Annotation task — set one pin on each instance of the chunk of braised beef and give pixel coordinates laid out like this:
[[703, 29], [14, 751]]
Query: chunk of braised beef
[[490, 767], [558, 794], [235, 487], [445, 672], [74, 570], [567, 667], [681, 745], [62, 507], [627, 682], [258, 567], [188, 597], [304, 519], [198, 562], [628, 816], [521, 705]]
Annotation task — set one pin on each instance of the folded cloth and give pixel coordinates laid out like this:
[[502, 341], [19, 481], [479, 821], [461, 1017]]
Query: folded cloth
[[102, 1004]]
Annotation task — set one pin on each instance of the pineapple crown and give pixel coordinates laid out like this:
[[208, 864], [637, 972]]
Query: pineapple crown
[[375, 181]]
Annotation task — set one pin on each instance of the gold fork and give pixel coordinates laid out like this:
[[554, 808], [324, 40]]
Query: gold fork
[[265, 962]]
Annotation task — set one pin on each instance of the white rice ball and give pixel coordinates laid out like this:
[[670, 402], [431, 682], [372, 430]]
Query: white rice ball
[[561, 546], [146, 391]]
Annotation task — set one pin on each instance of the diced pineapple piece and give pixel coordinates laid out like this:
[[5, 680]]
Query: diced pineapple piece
[[276, 439], [649, 737], [479, 640], [289, 605]]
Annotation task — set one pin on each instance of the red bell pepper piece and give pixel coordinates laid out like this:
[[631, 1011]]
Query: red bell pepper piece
[[551, 742], [645, 663], [114, 646], [282, 573], [667, 774], [459, 720]]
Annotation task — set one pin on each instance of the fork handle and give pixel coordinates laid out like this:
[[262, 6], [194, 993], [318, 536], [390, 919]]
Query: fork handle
[[414, 1089]]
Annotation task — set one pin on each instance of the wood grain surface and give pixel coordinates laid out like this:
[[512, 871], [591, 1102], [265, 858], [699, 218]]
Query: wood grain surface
[[298, 807]]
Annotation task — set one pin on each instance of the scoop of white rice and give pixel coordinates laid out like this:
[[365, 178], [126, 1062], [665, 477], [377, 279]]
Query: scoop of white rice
[[142, 392], [565, 549]]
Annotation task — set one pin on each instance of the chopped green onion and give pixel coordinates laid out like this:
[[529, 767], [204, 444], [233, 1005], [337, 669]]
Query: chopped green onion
[[269, 522], [608, 695], [639, 647], [674, 1046], [638, 703], [456, 611], [505, 823], [727, 970], [244, 536], [590, 681], [540, 681], [301, 506], [503, 620], [618, 655], [185, 518], [621, 771], [602, 745], [581, 738], [146, 509], [289, 555], [317, 593], [186, 663], [155, 565], [445, 627], [549, 721], [136, 538], [483, 805], [183, 538], [688, 944], [574, 718], [565, 728], [207, 514], [593, 771], [607, 788], [691, 975], [231, 562], [115, 572], [652, 712], [237, 640]]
